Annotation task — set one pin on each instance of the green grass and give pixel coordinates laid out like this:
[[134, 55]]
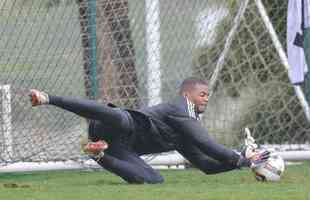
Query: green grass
[[179, 185]]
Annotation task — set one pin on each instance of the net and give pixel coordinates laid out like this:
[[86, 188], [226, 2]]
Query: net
[[135, 53]]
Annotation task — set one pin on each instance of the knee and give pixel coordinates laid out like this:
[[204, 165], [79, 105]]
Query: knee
[[156, 180], [208, 172], [143, 180]]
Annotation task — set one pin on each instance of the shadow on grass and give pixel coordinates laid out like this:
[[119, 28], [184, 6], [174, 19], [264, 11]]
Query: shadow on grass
[[109, 182], [15, 185]]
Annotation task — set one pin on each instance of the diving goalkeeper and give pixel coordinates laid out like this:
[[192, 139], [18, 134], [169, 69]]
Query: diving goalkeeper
[[118, 137]]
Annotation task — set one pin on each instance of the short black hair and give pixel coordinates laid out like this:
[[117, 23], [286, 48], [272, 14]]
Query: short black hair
[[190, 82]]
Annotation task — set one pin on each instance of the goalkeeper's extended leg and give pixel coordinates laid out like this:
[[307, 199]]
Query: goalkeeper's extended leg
[[116, 118]]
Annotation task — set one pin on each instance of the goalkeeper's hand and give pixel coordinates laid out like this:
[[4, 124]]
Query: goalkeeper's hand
[[259, 157], [249, 140], [250, 145]]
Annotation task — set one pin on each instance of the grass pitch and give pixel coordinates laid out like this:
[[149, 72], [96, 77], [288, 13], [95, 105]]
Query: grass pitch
[[179, 185]]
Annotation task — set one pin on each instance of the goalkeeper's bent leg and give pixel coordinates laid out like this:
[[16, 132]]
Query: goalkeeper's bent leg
[[129, 166]]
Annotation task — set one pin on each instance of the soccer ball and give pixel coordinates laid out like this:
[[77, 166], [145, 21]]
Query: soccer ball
[[271, 170]]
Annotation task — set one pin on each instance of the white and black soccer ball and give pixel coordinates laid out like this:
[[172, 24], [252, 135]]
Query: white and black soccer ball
[[271, 170]]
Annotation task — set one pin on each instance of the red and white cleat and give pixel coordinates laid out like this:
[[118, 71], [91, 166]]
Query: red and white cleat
[[96, 149], [38, 97]]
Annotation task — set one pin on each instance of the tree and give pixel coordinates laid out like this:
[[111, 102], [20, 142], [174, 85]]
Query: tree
[[116, 73]]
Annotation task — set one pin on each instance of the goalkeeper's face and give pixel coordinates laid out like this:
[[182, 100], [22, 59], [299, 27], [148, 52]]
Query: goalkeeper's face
[[199, 95]]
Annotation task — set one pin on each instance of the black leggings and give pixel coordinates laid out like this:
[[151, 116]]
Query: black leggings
[[119, 158], [116, 118], [127, 164]]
